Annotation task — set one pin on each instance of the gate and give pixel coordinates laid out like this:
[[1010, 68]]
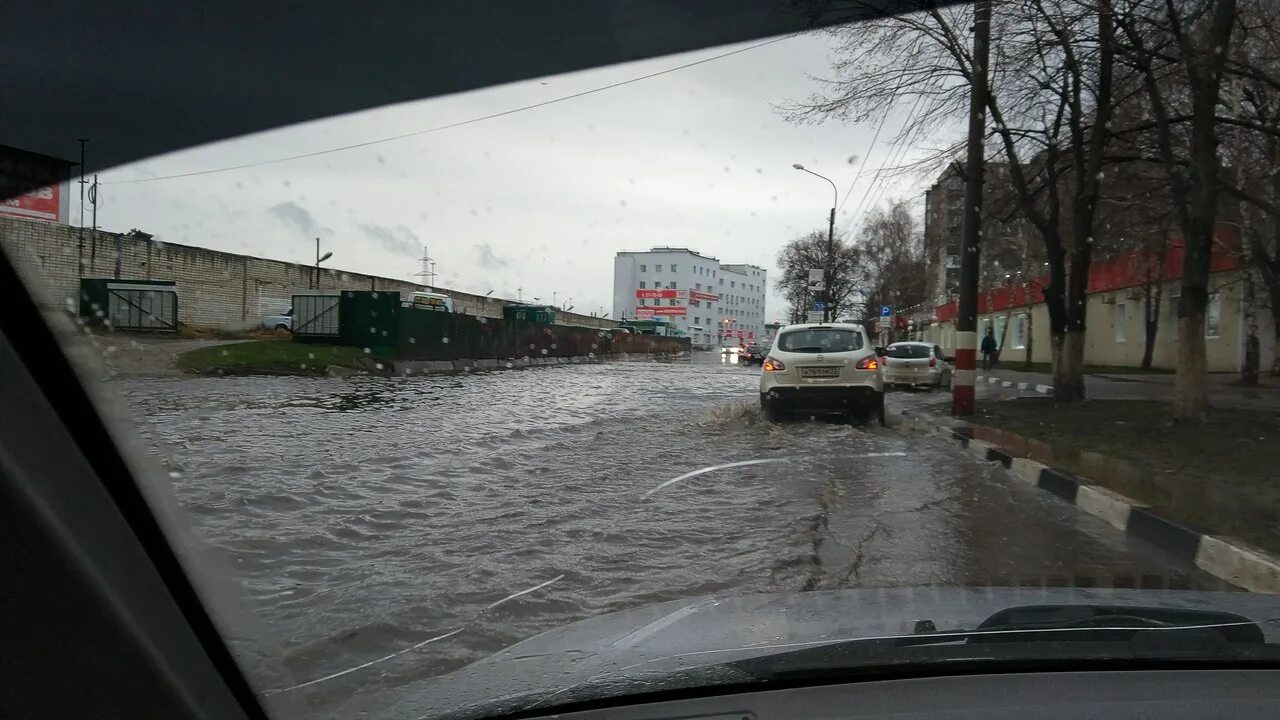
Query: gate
[[142, 307], [316, 315]]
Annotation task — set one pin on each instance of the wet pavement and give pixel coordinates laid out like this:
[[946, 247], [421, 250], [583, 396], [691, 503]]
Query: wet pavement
[[365, 515]]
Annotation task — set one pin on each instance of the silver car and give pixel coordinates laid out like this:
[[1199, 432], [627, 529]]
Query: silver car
[[821, 368], [912, 364]]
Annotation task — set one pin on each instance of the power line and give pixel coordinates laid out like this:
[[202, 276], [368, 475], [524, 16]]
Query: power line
[[865, 157], [460, 123]]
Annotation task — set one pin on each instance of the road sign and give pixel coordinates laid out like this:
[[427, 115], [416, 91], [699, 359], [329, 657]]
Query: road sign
[[815, 275], [819, 306], [886, 311], [815, 317]]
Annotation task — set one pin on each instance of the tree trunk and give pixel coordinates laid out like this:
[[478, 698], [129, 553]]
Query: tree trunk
[[1275, 327], [1068, 366], [1151, 326], [1191, 384]]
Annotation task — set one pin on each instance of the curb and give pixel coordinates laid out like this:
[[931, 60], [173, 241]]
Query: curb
[[992, 379], [1217, 555]]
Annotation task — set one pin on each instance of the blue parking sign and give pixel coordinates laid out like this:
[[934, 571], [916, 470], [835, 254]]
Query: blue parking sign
[[819, 306], [886, 310]]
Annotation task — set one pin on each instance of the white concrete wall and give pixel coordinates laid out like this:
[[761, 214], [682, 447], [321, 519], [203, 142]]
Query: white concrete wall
[[1114, 330], [215, 289]]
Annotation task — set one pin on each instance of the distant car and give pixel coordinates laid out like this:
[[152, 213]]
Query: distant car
[[823, 368], [283, 321], [913, 364], [751, 354]]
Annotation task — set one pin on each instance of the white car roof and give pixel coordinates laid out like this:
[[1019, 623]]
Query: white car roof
[[836, 326], [911, 342]]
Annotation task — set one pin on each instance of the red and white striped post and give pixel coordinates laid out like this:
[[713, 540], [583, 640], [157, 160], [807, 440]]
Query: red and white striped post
[[962, 400], [966, 372]]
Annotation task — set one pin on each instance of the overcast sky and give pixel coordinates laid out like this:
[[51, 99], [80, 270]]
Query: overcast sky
[[540, 199]]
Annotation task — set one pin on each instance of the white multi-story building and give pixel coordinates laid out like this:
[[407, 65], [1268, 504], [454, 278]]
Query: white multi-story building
[[712, 303]]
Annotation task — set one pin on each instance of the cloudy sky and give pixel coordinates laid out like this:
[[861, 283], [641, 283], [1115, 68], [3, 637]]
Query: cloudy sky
[[537, 201]]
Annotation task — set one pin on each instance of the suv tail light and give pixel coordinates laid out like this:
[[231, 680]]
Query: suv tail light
[[933, 361], [771, 365], [868, 363]]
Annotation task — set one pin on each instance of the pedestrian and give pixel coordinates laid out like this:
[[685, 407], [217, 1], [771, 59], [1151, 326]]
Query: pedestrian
[[989, 350], [1252, 356]]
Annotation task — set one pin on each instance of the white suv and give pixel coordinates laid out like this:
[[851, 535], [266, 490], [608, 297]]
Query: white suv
[[822, 368]]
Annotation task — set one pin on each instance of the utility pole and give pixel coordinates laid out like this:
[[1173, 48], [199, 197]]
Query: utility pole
[[962, 398], [83, 142]]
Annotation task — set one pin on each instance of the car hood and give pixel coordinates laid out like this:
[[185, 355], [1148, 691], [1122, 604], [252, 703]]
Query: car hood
[[647, 648]]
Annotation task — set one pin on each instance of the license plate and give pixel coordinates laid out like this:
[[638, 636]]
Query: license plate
[[820, 372]]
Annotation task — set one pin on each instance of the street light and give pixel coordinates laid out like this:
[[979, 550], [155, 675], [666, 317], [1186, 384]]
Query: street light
[[831, 238], [319, 259]]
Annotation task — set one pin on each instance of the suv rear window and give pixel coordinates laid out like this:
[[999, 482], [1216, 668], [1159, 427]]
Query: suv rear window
[[820, 340], [907, 351]]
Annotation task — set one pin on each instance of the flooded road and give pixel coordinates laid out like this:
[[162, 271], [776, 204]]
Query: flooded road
[[363, 516]]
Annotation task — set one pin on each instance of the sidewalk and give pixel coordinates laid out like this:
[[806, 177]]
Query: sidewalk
[[1224, 390]]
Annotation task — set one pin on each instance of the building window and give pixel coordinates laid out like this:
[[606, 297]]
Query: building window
[[1213, 315], [1117, 321], [733, 283], [641, 284], [713, 273], [1020, 332], [674, 268], [671, 285], [671, 302], [657, 268], [642, 301], [644, 268], [697, 286], [722, 282], [697, 319]]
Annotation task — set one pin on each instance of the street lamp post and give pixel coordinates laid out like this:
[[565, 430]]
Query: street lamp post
[[319, 259], [827, 270]]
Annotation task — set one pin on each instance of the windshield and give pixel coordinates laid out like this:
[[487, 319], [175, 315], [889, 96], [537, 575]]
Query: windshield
[[519, 427], [820, 340], [907, 351]]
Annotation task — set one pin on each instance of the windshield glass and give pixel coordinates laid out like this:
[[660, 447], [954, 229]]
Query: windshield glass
[[819, 340], [486, 376], [907, 351]]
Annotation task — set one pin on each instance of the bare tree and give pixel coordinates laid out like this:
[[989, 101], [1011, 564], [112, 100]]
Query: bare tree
[[891, 247], [1049, 104], [808, 252], [1188, 40]]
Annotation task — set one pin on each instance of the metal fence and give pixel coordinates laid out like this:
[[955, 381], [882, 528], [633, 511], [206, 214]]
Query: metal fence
[[316, 315]]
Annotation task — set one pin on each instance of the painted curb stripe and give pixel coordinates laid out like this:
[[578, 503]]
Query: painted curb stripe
[[1219, 556], [1174, 538], [1060, 483], [1000, 456]]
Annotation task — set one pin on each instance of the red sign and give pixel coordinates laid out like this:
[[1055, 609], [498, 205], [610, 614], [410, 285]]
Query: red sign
[[41, 203], [751, 336], [741, 334], [30, 184], [677, 310], [644, 312], [695, 295], [661, 294]]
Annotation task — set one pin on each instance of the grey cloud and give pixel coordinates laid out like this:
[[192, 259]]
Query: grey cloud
[[399, 240], [488, 259], [295, 216]]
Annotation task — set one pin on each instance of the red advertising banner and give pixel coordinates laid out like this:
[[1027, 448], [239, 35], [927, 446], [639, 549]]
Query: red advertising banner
[[644, 312], [751, 336], [741, 334], [30, 184], [695, 295], [41, 204], [677, 310], [660, 293]]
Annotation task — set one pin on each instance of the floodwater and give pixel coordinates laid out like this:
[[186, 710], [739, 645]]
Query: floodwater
[[363, 516]]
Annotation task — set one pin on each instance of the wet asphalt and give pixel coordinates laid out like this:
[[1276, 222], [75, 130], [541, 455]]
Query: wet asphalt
[[361, 516]]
